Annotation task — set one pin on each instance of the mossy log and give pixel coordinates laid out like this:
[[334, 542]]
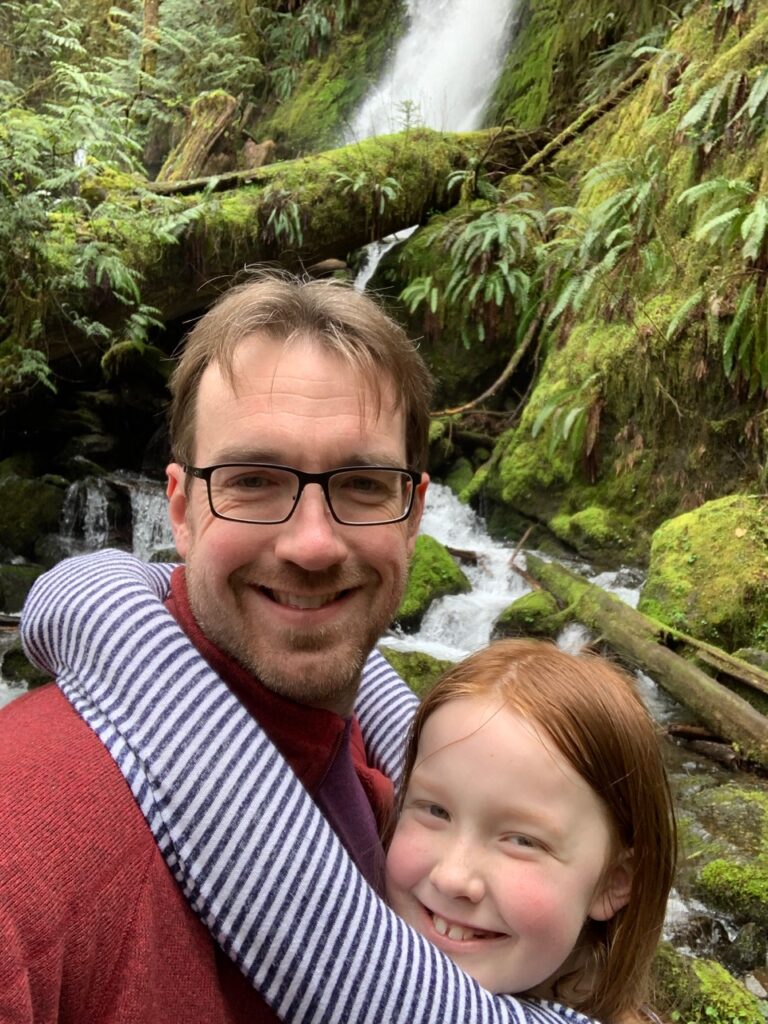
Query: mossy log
[[186, 248], [643, 642]]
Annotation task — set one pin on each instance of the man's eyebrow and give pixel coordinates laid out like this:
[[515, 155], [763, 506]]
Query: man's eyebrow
[[274, 458]]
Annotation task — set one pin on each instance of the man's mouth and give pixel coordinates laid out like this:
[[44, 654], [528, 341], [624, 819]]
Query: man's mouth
[[302, 601], [459, 932]]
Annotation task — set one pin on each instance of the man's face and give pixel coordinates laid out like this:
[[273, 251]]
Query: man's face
[[301, 603]]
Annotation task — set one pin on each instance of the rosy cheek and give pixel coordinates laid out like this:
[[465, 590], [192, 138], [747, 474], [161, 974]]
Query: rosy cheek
[[534, 905], [409, 857]]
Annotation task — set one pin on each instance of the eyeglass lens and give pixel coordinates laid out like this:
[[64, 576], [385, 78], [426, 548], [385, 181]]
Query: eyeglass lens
[[266, 494]]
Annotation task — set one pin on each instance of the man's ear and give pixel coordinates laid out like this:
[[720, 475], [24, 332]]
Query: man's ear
[[177, 506], [416, 512], [614, 890]]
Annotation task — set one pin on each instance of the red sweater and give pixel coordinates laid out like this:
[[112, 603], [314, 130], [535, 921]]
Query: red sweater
[[93, 927]]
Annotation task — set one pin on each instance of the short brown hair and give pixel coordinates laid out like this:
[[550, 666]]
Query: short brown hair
[[594, 716], [284, 308]]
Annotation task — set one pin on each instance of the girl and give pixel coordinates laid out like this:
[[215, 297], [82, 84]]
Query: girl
[[535, 844]]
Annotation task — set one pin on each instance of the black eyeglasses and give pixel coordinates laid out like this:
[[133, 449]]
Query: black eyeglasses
[[261, 493]]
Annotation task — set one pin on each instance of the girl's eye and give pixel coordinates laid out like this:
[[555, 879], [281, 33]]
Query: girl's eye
[[436, 811], [523, 842]]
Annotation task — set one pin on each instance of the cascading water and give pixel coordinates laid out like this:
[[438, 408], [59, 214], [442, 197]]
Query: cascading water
[[84, 517], [443, 70], [441, 75]]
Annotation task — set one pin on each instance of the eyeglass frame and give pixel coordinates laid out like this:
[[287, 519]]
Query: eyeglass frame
[[323, 479]]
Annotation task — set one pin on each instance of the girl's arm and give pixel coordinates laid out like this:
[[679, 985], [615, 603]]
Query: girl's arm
[[254, 855]]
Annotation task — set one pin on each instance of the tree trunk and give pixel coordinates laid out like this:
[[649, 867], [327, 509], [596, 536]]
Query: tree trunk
[[149, 39], [641, 641], [210, 115]]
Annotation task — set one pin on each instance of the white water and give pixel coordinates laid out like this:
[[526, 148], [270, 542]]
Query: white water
[[457, 625], [84, 516], [444, 68]]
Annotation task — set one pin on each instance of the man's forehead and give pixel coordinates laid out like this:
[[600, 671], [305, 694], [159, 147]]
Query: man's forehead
[[269, 366]]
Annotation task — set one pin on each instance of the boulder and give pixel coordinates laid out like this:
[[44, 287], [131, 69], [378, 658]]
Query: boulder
[[708, 573], [418, 669], [29, 510], [433, 574], [15, 583], [535, 614]]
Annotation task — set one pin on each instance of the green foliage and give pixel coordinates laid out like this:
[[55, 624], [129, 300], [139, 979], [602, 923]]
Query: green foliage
[[732, 213], [596, 253], [568, 418], [488, 275], [372, 193], [731, 112], [286, 39], [281, 219]]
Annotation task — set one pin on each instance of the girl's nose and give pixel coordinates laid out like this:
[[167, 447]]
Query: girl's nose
[[457, 876]]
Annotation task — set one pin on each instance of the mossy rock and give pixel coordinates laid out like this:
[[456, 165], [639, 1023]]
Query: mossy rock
[[15, 583], [29, 509], [692, 991], [726, 864], [18, 671], [434, 574], [708, 573], [460, 476], [418, 669], [594, 530], [534, 614]]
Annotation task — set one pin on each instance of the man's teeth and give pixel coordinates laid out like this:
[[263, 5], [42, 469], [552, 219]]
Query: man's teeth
[[302, 600], [456, 931]]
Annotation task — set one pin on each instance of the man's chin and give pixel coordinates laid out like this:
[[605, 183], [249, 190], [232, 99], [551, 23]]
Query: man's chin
[[326, 678]]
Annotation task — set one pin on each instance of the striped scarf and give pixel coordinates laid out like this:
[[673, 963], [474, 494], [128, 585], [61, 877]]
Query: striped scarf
[[232, 820]]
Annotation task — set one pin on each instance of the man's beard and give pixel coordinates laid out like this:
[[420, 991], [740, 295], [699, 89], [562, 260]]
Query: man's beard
[[319, 667]]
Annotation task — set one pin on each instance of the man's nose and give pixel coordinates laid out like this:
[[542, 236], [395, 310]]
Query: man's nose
[[311, 538], [458, 874]]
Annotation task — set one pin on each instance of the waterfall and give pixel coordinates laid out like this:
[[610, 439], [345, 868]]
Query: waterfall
[[443, 69], [84, 516], [149, 513]]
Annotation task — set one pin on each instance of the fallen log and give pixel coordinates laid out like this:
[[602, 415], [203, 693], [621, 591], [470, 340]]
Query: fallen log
[[640, 641]]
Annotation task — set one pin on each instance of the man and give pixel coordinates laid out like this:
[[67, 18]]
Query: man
[[299, 430]]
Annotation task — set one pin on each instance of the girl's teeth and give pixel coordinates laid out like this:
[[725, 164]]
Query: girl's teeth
[[452, 931]]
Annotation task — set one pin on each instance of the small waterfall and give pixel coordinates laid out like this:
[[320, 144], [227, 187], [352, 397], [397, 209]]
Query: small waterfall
[[443, 70], [85, 516], [149, 513], [457, 625]]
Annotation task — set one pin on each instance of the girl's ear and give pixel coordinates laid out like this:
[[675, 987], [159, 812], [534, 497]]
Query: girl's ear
[[614, 890]]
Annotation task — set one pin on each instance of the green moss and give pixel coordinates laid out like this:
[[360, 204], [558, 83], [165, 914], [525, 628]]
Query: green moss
[[331, 87], [534, 614], [709, 573], [418, 669], [433, 574], [594, 530], [690, 991], [741, 890], [29, 509], [460, 475], [15, 582]]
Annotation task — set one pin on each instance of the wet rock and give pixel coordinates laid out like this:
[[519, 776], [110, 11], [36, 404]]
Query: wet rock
[[15, 583], [17, 671], [690, 989], [419, 670], [534, 614], [29, 509]]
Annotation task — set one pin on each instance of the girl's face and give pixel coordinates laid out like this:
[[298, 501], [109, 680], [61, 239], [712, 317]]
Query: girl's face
[[502, 849]]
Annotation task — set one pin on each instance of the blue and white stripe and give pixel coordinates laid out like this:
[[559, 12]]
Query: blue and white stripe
[[231, 819]]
